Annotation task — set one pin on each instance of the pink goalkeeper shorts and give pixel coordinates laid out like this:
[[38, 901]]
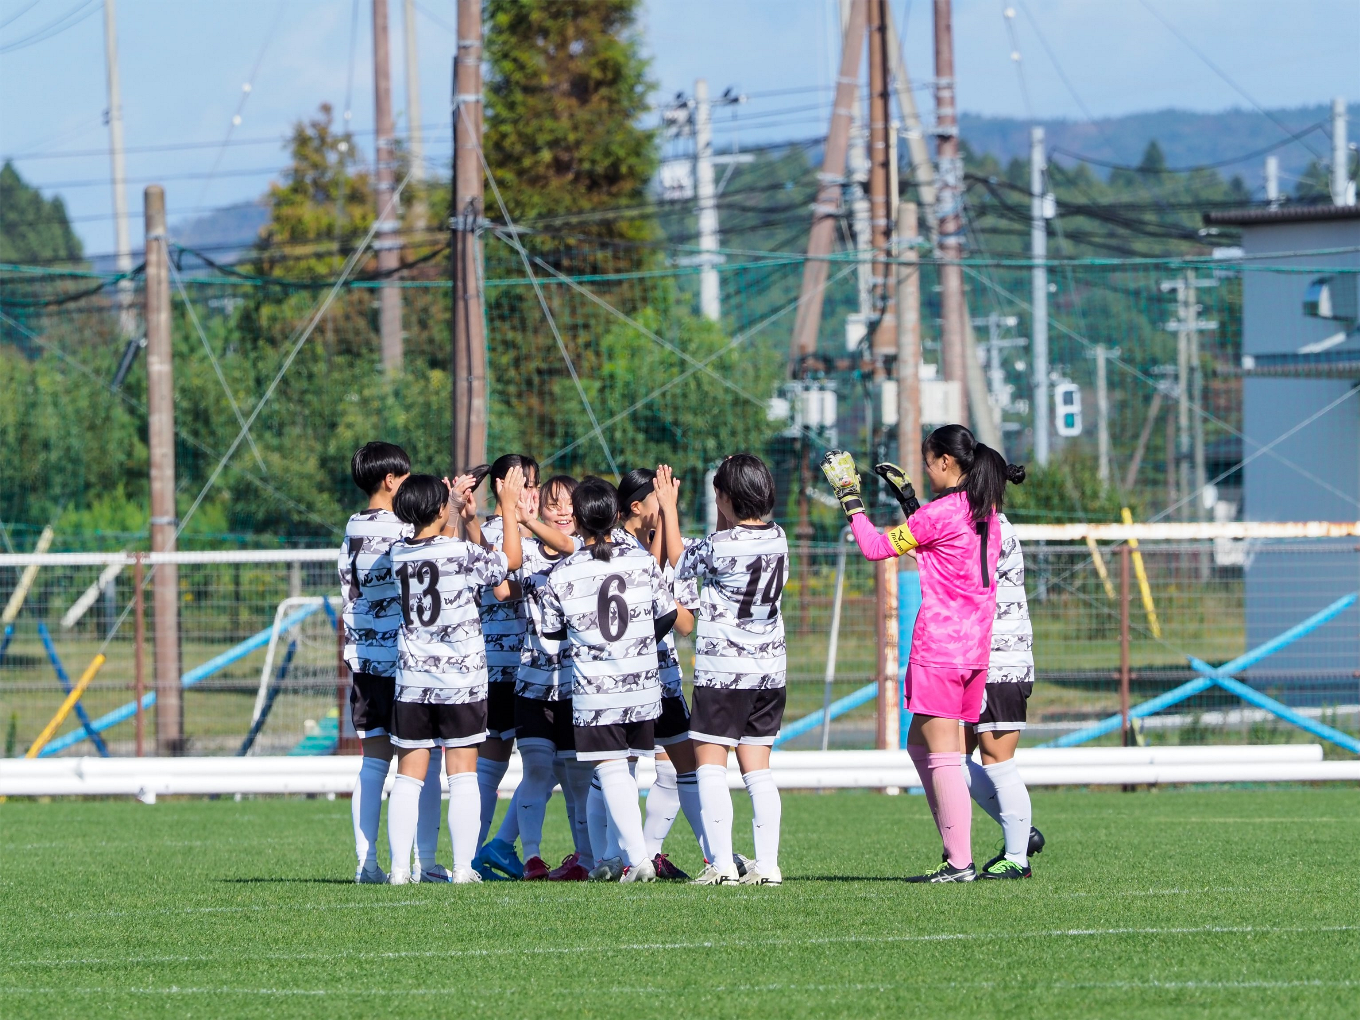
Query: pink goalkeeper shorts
[[951, 692]]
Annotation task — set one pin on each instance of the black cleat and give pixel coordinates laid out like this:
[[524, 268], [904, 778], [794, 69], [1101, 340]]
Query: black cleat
[[1004, 867], [946, 872], [1036, 842]]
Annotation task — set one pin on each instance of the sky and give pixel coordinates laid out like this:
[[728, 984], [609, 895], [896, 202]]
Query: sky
[[184, 65]]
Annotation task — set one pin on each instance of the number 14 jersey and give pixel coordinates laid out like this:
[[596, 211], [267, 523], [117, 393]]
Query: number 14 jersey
[[739, 632]]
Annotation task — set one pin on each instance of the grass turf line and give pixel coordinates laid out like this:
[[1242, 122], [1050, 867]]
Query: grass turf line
[[1235, 903]]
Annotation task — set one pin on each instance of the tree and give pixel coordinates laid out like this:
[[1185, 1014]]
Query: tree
[[567, 88], [33, 230]]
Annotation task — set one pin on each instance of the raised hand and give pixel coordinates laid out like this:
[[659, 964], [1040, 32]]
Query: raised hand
[[839, 468], [667, 488], [900, 486]]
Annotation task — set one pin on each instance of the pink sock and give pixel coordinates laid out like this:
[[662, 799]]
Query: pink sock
[[954, 816], [920, 757]]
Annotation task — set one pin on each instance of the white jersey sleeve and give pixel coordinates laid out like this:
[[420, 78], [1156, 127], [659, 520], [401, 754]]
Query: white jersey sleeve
[[371, 611], [542, 672], [503, 623], [1012, 655]]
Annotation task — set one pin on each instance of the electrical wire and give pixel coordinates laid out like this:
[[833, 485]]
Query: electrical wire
[[5, 24], [79, 12], [1220, 164]]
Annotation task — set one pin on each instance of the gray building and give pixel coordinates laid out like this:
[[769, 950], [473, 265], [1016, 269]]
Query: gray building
[[1301, 368]]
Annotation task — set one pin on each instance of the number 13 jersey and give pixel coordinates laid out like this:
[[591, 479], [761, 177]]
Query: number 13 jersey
[[441, 658], [739, 632]]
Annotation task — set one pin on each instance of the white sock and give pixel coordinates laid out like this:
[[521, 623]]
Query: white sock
[[1013, 800], [465, 805], [489, 776], [568, 794], [663, 804], [403, 812], [533, 792], [621, 798], [687, 783], [715, 801], [597, 818], [982, 790], [766, 811], [366, 807], [578, 777], [427, 827], [509, 828]]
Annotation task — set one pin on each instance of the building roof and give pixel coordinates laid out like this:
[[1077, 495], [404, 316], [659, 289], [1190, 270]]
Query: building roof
[[1253, 215]]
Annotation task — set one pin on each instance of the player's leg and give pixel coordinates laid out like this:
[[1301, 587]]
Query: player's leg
[[663, 804], [939, 698], [493, 759], [687, 785], [716, 726], [462, 730], [753, 756], [370, 702], [535, 788], [428, 868]]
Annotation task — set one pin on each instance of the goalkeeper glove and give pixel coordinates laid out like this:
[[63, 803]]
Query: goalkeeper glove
[[900, 486], [839, 468]]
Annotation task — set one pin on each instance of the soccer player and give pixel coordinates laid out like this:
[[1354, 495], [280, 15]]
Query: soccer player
[[441, 692], [543, 726], [611, 603], [740, 665], [504, 623], [995, 782], [957, 543]]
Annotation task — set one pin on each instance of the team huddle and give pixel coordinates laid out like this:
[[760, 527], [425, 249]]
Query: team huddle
[[551, 624]]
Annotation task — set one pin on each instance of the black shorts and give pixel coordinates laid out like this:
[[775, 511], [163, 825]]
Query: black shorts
[[621, 740], [732, 717], [370, 704], [545, 720], [421, 724], [673, 725], [1003, 707], [500, 710]]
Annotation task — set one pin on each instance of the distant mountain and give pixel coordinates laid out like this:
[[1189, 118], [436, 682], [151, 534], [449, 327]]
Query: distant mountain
[[223, 234], [1186, 139]]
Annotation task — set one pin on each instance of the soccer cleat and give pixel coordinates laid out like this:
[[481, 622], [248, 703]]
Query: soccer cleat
[[370, 874], [434, 873], [666, 871], [570, 870], [839, 468], [754, 876], [900, 486], [488, 873], [501, 856], [643, 872], [535, 870], [743, 863], [1036, 842], [399, 877], [1004, 867], [713, 875], [946, 872], [464, 876], [610, 870]]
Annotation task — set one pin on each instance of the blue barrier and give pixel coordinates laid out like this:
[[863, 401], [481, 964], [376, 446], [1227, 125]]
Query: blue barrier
[[81, 714], [908, 607], [9, 636], [1220, 676], [839, 707], [195, 675]]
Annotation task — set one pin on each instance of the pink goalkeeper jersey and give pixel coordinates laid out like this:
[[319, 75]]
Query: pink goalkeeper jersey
[[958, 585]]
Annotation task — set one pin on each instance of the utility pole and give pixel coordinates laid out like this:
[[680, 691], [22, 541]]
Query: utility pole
[[387, 243], [1038, 284], [1273, 181], [160, 400], [908, 344], [1342, 192], [1102, 417], [923, 173], [414, 131], [884, 343], [127, 320], [469, 324], [1190, 386], [949, 204], [705, 193]]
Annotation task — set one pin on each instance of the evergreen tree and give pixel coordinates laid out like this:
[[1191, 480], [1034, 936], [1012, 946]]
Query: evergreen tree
[[33, 229]]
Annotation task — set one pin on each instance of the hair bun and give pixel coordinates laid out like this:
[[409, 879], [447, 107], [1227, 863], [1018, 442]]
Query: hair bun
[[1015, 473]]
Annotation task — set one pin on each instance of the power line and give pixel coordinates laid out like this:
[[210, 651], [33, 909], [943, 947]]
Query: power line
[[21, 12], [79, 12]]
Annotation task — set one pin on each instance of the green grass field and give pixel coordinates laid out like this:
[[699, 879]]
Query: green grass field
[[1174, 903]]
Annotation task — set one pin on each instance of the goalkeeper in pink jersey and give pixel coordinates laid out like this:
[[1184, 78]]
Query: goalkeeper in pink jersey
[[957, 541]]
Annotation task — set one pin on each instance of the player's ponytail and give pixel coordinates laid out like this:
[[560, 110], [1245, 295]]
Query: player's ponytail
[[595, 507], [985, 472]]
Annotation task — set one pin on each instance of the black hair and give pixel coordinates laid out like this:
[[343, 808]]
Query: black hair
[[595, 506], [634, 487], [985, 472], [373, 462], [747, 482], [555, 485], [500, 467], [419, 500]]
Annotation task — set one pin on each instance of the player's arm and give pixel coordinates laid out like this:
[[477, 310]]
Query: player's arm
[[508, 590], [508, 491], [555, 540], [463, 496], [667, 488], [554, 617], [684, 620], [839, 468]]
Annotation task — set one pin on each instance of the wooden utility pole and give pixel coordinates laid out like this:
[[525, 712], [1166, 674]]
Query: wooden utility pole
[[469, 324], [415, 133], [827, 208], [950, 210], [908, 344], [387, 241], [160, 400], [884, 343]]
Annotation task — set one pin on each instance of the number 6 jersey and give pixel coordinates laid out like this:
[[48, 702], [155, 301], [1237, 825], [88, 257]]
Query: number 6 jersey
[[441, 658], [609, 610], [739, 632]]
